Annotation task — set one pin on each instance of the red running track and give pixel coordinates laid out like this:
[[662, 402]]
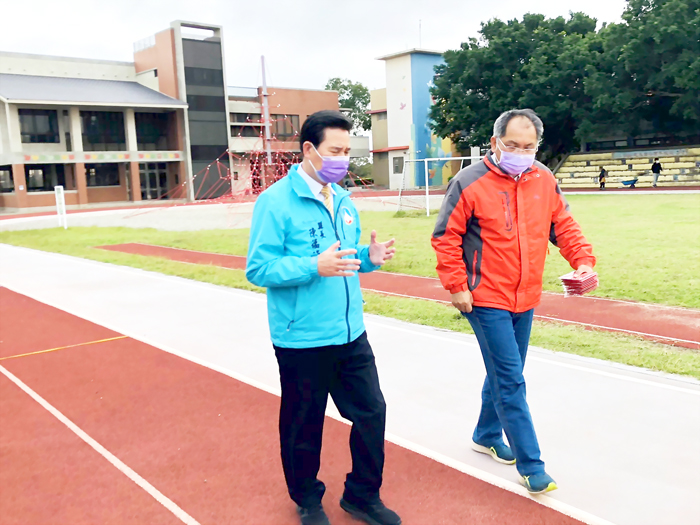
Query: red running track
[[664, 324], [206, 441]]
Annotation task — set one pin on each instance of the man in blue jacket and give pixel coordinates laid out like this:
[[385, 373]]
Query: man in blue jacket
[[304, 248]]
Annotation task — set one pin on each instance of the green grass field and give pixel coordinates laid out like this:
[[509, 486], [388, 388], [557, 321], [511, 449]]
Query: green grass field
[[648, 248]]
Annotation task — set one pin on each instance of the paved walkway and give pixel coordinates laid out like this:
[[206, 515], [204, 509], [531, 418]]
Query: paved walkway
[[665, 324], [609, 433]]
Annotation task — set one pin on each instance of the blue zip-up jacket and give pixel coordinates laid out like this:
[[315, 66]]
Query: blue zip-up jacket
[[290, 229]]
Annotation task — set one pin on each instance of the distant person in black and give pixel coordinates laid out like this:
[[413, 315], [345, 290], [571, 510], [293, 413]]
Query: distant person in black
[[656, 170], [601, 177]]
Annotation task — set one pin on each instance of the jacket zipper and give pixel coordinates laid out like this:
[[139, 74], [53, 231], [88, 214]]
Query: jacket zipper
[[334, 221], [520, 248], [522, 179]]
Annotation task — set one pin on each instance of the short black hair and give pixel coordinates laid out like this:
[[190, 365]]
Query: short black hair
[[315, 126], [657, 158]]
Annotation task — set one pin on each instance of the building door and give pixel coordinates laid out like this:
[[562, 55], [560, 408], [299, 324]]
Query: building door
[[154, 180]]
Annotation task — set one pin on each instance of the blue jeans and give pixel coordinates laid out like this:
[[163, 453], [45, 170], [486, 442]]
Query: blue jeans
[[503, 337]]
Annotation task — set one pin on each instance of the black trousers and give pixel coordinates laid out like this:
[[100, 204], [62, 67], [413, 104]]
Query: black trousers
[[348, 373]]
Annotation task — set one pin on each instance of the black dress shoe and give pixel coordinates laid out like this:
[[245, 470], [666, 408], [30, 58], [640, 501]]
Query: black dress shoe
[[372, 513], [314, 515]]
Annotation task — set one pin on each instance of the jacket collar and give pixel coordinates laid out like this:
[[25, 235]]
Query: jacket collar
[[490, 162], [302, 189]]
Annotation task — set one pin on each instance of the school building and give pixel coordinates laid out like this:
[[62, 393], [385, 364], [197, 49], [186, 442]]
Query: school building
[[401, 124], [149, 129]]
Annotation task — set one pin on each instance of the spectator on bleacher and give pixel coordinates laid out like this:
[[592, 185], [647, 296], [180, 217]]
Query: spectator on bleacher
[[601, 177], [491, 244], [656, 170]]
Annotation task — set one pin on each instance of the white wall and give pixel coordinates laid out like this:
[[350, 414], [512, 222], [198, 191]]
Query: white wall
[[399, 121], [14, 136], [398, 96], [360, 146], [243, 106], [41, 65], [244, 144], [395, 179], [148, 79], [4, 139]]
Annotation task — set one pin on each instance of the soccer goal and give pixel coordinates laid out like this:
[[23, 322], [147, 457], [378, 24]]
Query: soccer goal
[[415, 193]]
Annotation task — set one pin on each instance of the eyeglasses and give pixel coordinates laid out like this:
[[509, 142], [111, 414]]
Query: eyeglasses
[[513, 149]]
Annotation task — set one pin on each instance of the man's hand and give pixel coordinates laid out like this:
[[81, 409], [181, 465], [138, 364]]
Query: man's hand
[[332, 264], [583, 270], [380, 252], [463, 301]]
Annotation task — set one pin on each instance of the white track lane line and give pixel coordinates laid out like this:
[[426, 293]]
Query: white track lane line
[[123, 468]]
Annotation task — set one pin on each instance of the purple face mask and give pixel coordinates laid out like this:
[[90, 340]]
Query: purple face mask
[[333, 169], [514, 164]]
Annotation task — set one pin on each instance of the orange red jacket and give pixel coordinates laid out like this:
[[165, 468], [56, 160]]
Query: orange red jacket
[[492, 232]]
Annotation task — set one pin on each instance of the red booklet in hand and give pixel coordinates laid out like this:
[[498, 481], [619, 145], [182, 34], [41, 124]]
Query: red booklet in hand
[[579, 285]]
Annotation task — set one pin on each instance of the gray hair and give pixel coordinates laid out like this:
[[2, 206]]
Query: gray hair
[[499, 127]]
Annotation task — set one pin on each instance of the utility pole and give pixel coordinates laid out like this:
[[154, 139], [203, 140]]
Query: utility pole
[[266, 114]]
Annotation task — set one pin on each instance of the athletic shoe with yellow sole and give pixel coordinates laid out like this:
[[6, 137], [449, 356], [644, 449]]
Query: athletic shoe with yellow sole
[[538, 483], [500, 452]]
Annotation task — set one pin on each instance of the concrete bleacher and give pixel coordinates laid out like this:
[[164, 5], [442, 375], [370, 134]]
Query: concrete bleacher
[[681, 167]]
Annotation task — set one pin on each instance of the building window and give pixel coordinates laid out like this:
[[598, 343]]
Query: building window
[[152, 131], [398, 164], [246, 131], [7, 183], [102, 174], [44, 177], [381, 116], [251, 118], [202, 76], [206, 103], [207, 153], [38, 126], [285, 127], [103, 130]]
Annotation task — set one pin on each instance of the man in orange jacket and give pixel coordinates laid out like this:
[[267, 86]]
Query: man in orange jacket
[[491, 243]]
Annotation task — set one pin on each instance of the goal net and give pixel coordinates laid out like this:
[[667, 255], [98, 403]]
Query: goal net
[[415, 194]]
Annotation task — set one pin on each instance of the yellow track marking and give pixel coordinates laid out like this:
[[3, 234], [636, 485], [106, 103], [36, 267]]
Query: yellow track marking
[[64, 347]]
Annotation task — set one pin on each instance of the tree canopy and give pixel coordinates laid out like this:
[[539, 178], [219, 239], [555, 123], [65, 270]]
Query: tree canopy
[[353, 96], [582, 80]]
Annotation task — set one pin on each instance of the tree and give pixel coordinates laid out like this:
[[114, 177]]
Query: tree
[[537, 62], [362, 167], [648, 74], [638, 76], [353, 96]]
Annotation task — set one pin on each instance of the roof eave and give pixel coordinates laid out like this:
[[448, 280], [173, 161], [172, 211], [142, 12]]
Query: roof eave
[[84, 103], [411, 52]]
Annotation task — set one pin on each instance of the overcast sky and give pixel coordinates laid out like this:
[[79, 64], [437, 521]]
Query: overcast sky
[[305, 42]]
